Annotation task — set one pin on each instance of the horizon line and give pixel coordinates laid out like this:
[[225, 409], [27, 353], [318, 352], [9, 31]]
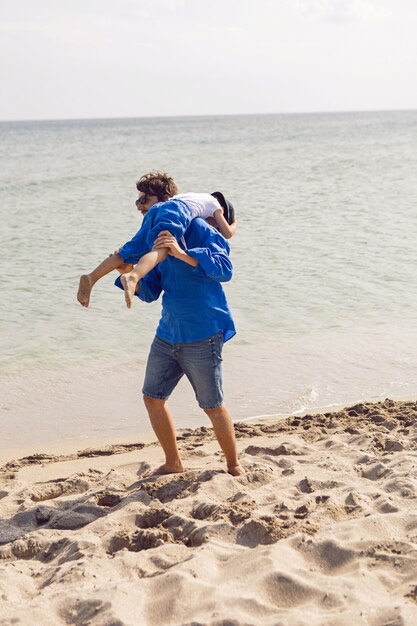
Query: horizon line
[[201, 115]]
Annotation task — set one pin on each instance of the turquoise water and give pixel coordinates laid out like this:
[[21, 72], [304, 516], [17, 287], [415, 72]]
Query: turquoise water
[[324, 292]]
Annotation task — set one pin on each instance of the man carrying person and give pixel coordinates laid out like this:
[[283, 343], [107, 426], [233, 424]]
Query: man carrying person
[[195, 322]]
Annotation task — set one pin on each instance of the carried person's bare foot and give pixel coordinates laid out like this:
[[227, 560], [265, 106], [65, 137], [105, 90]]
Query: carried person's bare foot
[[236, 470], [176, 468], [129, 283], [84, 290]]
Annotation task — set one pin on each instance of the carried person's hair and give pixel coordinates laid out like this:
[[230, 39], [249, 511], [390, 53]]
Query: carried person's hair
[[157, 184], [228, 208]]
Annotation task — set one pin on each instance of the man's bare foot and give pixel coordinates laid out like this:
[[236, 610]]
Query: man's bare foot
[[84, 290], [176, 468], [129, 283], [236, 470]]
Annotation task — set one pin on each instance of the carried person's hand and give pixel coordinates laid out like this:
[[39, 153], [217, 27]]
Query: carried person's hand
[[123, 268], [166, 240]]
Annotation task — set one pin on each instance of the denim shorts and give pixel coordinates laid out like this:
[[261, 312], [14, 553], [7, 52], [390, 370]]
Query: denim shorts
[[200, 361]]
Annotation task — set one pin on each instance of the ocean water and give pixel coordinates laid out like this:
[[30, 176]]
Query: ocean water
[[324, 292]]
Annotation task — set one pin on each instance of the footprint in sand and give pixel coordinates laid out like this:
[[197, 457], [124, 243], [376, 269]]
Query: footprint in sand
[[327, 556], [9, 533], [287, 591], [285, 448], [143, 539], [153, 517], [170, 489], [263, 531], [86, 611], [79, 516], [108, 499], [206, 510], [306, 485], [53, 517], [55, 488], [376, 472], [173, 486]]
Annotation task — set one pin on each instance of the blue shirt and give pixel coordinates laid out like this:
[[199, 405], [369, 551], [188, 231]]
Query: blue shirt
[[172, 215], [194, 305]]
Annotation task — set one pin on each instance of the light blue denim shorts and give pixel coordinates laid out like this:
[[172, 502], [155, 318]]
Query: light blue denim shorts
[[200, 361]]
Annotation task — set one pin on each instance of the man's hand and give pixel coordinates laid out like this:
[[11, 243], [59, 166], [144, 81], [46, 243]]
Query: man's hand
[[166, 240]]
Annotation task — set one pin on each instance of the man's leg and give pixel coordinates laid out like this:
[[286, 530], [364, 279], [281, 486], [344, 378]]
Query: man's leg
[[202, 364], [225, 433], [163, 426], [163, 373]]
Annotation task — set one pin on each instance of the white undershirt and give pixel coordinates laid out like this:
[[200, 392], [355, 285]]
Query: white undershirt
[[200, 204]]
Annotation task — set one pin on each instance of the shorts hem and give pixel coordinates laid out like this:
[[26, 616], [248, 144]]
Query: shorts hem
[[155, 396], [216, 406]]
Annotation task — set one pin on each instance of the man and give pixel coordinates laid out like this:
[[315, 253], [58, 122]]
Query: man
[[195, 322]]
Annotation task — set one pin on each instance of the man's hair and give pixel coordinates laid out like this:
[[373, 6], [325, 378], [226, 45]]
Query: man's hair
[[157, 184]]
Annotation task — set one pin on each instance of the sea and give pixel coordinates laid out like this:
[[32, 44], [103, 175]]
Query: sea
[[324, 292]]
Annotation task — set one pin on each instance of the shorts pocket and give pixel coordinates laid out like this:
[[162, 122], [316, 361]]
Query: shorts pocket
[[216, 344]]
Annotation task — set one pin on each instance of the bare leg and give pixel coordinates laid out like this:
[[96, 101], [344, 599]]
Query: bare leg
[[225, 433], [87, 281], [163, 426], [145, 265]]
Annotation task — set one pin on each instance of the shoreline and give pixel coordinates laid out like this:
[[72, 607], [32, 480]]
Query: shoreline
[[74, 445], [104, 399], [71, 446]]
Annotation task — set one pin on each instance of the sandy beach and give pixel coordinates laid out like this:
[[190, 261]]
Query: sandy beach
[[322, 528]]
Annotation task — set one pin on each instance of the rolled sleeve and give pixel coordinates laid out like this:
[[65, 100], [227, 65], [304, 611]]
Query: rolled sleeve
[[214, 264], [149, 287]]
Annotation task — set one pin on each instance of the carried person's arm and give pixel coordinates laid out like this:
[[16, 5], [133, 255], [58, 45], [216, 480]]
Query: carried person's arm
[[226, 229]]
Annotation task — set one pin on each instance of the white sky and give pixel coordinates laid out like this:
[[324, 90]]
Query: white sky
[[129, 58]]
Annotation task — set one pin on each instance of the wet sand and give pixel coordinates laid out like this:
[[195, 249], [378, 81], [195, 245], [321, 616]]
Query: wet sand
[[322, 528]]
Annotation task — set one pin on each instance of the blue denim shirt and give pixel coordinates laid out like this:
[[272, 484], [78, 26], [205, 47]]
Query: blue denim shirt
[[194, 305], [173, 215]]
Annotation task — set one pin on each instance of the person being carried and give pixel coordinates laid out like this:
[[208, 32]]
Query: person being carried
[[164, 210]]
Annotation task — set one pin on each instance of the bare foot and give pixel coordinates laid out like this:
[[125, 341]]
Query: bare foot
[[129, 283], [176, 468], [236, 470], [84, 290]]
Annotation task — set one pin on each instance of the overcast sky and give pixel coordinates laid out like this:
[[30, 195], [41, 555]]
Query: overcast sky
[[129, 58]]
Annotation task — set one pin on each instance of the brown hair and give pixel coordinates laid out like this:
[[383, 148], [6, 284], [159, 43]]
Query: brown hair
[[157, 184]]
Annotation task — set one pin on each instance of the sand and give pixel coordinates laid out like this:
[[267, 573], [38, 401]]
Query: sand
[[322, 528]]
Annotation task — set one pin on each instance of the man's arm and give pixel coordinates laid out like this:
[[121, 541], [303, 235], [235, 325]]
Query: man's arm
[[166, 240], [213, 263], [208, 252]]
